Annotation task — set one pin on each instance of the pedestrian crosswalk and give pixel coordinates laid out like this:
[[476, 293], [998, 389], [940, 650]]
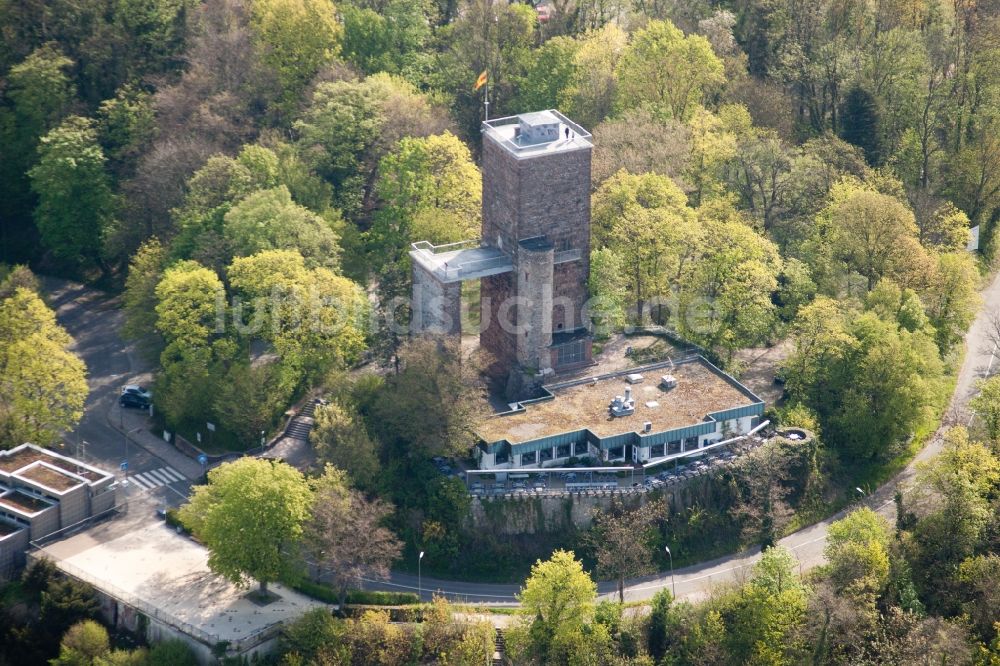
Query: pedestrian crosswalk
[[156, 478]]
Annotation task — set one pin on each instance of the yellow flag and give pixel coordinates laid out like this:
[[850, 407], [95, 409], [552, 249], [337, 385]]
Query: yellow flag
[[480, 82]]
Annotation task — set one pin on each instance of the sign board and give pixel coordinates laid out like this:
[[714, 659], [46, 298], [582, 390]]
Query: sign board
[[123, 466], [166, 436], [198, 434], [211, 427], [203, 460]]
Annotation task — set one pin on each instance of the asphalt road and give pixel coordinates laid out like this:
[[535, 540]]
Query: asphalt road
[[94, 320], [106, 436], [696, 581]]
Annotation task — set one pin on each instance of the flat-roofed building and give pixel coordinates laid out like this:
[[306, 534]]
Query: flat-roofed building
[[43, 492], [633, 416]]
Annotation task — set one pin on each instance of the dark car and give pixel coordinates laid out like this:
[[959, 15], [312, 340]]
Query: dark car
[[133, 400]]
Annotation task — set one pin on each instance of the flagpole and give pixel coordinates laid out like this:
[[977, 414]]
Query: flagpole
[[486, 98]]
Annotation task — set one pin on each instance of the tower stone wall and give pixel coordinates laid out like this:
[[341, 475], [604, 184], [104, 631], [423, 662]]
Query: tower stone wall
[[536, 194]]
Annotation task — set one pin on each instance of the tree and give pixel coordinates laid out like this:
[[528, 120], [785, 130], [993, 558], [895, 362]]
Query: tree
[[850, 370], [646, 223], [980, 578], [43, 385], [250, 516], [893, 373], [187, 309], [666, 72], [590, 96], [126, 126], [860, 121], [171, 653], [796, 288], [760, 173], [315, 636], [83, 644], [608, 291], [726, 299], [950, 298], [712, 145], [386, 36], [661, 621], [762, 618], [430, 190], [191, 318], [145, 272], [959, 484], [75, 201], [973, 173], [270, 220], [314, 318], [876, 235], [857, 549], [250, 398], [620, 539], [638, 142], [346, 534], [40, 92], [986, 406], [557, 602], [295, 38], [548, 74], [433, 406], [946, 229], [64, 602], [341, 439], [349, 126], [491, 36]]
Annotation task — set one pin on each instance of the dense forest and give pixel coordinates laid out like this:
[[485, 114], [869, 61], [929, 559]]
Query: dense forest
[[764, 171]]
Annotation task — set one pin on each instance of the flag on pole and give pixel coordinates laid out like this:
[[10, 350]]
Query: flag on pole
[[480, 82]]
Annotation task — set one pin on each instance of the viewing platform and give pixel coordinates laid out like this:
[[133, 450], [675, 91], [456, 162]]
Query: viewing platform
[[540, 133], [457, 262]]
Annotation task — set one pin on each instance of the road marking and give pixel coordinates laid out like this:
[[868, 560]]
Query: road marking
[[155, 478], [174, 475], [159, 476], [139, 482]]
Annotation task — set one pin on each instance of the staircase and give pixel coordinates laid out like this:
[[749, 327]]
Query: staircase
[[498, 650], [302, 423]]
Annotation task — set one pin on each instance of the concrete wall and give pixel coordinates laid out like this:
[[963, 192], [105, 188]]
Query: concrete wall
[[45, 522], [74, 505], [156, 631], [12, 549], [103, 500]]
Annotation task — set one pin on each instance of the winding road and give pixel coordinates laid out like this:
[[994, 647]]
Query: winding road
[[696, 581], [94, 320]]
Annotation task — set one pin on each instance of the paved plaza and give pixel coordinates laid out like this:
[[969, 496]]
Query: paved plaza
[[166, 574]]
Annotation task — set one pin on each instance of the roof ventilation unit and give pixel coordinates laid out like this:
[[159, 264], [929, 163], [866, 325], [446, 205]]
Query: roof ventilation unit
[[623, 405], [668, 381]]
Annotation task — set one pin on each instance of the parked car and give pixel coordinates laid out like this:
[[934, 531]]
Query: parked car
[[135, 389], [133, 400]]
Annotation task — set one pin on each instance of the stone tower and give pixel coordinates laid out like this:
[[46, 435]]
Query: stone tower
[[533, 258]]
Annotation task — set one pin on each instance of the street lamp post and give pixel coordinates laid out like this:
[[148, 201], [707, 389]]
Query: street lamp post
[[420, 596], [121, 425], [673, 583]]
